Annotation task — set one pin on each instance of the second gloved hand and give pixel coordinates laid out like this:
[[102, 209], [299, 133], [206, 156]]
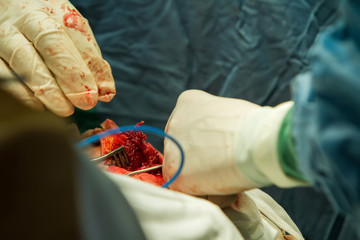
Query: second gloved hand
[[52, 46], [230, 145]]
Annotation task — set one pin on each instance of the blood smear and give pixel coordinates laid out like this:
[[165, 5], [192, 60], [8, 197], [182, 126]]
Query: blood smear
[[74, 20]]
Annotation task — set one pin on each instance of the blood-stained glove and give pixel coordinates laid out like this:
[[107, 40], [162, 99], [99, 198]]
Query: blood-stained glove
[[230, 145], [51, 45]]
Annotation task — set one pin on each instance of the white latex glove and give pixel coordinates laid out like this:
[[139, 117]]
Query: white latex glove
[[257, 215], [51, 45], [230, 145], [250, 222]]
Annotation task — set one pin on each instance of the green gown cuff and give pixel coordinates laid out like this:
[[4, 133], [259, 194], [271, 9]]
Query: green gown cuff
[[286, 149]]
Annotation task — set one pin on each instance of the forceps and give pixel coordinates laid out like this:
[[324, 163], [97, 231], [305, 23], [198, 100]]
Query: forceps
[[120, 159]]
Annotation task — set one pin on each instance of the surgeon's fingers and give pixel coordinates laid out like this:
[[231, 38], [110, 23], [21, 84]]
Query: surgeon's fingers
[[62, 58], [20, 54], [14, 86], [78, 29], [11, 84]]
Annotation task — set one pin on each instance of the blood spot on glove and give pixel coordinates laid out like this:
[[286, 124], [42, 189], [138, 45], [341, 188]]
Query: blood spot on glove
[[24, 6], [50, 10], [74, 20], [40, 27], [89, 98], [82, 76], [100, 75], [87, 88], [51, 51], [102, 92]]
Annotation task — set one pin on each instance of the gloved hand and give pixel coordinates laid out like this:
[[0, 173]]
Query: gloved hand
[[230, 145], [51, 45], [247, 218]]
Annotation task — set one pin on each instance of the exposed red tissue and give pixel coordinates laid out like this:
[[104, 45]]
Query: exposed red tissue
[[141, 154], [145, 177]]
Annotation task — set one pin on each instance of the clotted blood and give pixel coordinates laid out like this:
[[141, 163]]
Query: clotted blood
[[141, 154]]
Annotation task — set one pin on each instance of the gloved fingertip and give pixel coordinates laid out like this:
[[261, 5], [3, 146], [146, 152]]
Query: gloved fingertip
[[105, 81], [65, 113], [107, 97], [34, 104], [62, 108], [84, 100]]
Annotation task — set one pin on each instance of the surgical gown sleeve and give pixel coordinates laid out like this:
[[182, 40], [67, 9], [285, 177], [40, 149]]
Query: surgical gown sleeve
[[326, 120]]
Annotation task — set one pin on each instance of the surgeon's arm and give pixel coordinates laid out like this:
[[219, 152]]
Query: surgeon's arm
[[326, 118], [230, 145], [52, 47]]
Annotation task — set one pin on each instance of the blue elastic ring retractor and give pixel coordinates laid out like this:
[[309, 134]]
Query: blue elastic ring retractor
[[143, 128]]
